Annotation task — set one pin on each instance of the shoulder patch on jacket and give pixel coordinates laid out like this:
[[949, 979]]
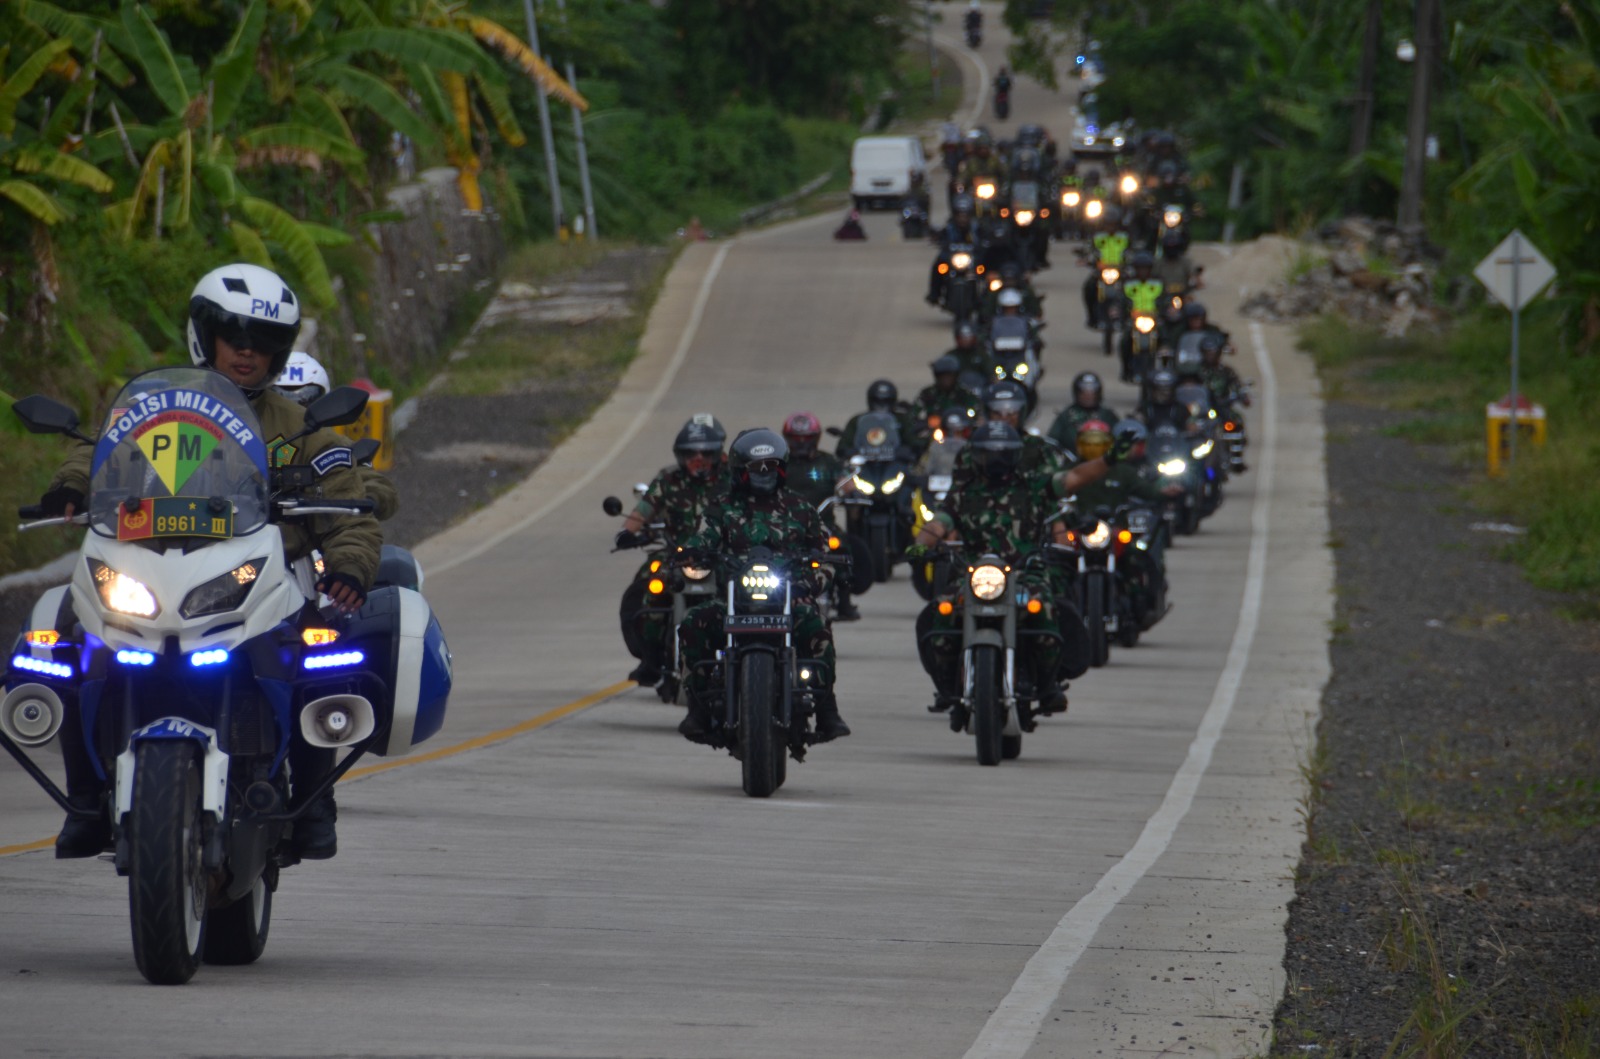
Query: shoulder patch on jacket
[[283, 454], [330, 459]]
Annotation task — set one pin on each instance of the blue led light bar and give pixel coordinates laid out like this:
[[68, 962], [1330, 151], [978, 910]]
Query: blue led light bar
[[136, 658], [39, 665], [215, 656], [335, 661]]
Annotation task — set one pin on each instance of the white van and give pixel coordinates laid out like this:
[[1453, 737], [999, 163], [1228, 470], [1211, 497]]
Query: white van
[[885, 169]]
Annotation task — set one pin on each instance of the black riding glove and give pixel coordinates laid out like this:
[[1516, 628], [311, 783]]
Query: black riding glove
[[1120, 448], [630, 539], [334, 579], [56, 500]]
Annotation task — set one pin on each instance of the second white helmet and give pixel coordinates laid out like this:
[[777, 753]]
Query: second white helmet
[[303, 378]]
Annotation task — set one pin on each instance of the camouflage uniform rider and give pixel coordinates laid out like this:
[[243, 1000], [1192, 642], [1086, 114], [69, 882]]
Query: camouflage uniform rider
[[1005, 403], [1086, 405], [677, 497], [758, 512], [927, 411], [999, 509], [814, 475]]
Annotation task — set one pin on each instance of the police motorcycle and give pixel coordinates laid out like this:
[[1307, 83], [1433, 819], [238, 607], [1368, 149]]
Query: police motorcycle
[[762, 693], [1179, 459], [876, 497], [996, 692], [1014, 354], [196, 655], [670, 592]]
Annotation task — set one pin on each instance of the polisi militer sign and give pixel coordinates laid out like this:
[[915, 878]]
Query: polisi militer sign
[[177, 430]]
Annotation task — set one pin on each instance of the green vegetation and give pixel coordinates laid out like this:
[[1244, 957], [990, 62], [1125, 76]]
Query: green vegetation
[[1446, 379], [1274, 88]]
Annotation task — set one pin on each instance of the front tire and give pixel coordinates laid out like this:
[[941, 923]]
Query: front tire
[[878, 541], [756, 743], [987, 720], [1094, 618], [237, 934], [167, 883]]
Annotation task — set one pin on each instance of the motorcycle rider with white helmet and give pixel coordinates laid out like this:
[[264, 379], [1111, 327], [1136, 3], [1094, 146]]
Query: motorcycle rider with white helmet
[[243, 321], [303, 380]]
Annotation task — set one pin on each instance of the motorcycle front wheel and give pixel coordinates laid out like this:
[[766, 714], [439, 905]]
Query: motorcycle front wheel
[[166, 878], [988, 721], [1094, 618], [757, 685]]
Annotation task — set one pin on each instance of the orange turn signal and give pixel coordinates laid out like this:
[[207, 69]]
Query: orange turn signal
[[833, 544], [980, 270], [318, 637], [657, 586], [1124, 537], [946, 608], [42, 637], [655, 564], [943, 268], [1034, 606]]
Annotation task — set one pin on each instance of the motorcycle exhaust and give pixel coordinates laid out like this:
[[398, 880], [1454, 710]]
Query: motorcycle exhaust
[[31, 715], [337, 720]]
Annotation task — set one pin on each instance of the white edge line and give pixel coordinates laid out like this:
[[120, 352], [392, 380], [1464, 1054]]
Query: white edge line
[[679, 355], [1015, 1024]]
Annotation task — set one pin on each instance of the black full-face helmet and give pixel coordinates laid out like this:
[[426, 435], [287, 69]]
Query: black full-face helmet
[[996, 449], [759, 461], [1193, 311], [1211, 349], [1086, 389], [881, 396], [949, 364], [1005, 398], [701, 435], [1131, 434], [1163, 386]]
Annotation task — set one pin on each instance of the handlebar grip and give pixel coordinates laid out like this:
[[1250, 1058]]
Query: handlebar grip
[[31, 511]]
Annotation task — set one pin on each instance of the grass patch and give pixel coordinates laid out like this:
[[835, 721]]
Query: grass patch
[[1446, 379]]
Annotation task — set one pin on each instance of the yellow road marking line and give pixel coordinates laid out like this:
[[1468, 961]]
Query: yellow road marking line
[[476, 743]]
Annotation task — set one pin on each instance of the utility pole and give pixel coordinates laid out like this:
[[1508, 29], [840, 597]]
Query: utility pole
[[592, 230], [1412, 183], [544, 126]]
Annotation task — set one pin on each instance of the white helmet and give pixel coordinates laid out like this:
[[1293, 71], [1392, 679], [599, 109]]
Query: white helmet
[[303, 379], [247, 306], [1010, 298]]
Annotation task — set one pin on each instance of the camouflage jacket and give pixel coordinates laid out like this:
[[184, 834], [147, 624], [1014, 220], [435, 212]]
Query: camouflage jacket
[[930, 402], [1006, 517], [1222, 381], [1065, 428], [814, 477], [738, 521], [1039, 458], [679, 499], [1124, 482]]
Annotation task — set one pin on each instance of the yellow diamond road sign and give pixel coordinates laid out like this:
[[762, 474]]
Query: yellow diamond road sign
[[1515, 272]]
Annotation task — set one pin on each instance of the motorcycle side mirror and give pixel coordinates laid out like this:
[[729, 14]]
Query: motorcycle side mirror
[[363, 451], [612, 506], [858, 460], [336, 408], [835, 432], [640, 488], [41, 415]]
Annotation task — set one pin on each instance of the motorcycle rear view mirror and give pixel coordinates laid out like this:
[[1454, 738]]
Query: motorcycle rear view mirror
[[364, 450], [612, 506], [835, 432], [336, 408], [41, 415]]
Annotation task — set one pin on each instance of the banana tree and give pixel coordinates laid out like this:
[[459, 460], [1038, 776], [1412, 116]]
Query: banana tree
[[28, 157]]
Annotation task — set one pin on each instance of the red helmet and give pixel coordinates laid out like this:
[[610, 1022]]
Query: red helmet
[[802, 431]]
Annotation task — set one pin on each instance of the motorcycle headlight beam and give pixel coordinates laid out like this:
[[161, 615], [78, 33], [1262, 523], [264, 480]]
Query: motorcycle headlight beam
[[1094, 209], [1172, 467], [1109, 276], [894, 483], [121, 593], [865, 487], [1024, 218], [1099, 537], [1144, 324], [1130, 184], [223, 593], [1202, 451], [1070, 198], [1172, 218], [960, 261], [988, 582]]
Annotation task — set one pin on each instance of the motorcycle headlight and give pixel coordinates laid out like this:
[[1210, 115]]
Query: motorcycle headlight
[[760, 581], [1130, 184], [1099, 537], [1172, 467], [865, 487], [1144, 325], [1109, 276], [1024, 217], [1094, 209], [1000, 371], [1070, 198], [926, 512], [988, 582], [1020, 369], [960, 260], [894, 483], [986, 191], [122, 593], [224, 593], [1172, 218], [995, 283], [1202, 451], [696, 573]]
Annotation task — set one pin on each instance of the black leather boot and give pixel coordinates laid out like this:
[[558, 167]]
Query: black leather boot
[[829, 725], [315, 837], [83, 836]]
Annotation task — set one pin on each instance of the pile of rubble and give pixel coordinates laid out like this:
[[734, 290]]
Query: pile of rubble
[[1361, 270]]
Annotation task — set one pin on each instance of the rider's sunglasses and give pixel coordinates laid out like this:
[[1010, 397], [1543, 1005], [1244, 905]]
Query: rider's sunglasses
[[765, 466]]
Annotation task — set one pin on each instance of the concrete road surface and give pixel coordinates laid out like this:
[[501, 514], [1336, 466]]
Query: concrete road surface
[[593, 885]]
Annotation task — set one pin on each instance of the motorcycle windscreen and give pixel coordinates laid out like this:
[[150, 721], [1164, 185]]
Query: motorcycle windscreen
[[1025, 195], [877, 436], [180, 455]]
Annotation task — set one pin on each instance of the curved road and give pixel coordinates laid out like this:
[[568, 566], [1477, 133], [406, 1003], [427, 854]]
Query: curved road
[[570, 878]]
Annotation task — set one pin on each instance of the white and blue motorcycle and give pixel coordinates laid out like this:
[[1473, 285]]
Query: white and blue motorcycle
[[187, 653]]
